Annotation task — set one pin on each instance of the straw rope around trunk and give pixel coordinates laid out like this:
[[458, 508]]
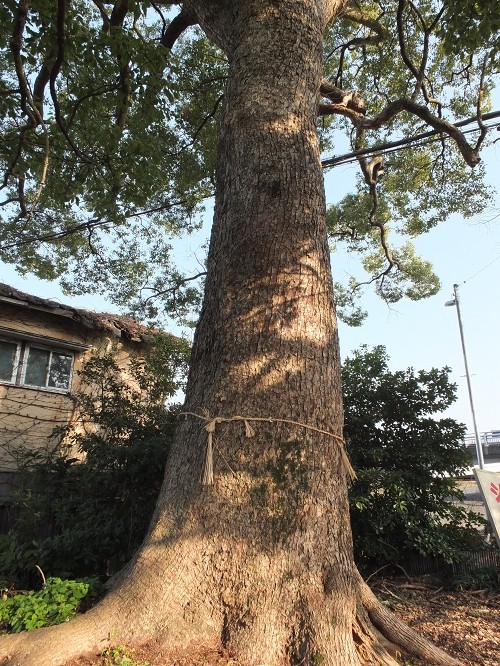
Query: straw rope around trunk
[[213, 422]]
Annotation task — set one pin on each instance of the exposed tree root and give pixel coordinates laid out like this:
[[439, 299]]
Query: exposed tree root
[[400, 634], [372, 647], [379, 637], [53, 645]]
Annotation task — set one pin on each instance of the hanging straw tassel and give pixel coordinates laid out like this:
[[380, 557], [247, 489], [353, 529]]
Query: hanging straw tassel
[[349, 470], [249, 431], [208, 470]]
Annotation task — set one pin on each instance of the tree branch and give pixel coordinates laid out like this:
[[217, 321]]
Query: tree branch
[[339, 97], [372, 171], [54, 73], [357, 16], [401, 40], [418, 73], [374, 25], [384, 147], [172, 290], [176, 27], [205, 120], [469, 153], [118, 13], [93, 93], [89, 225], [479, 117], [40, 84], [22, 198], [16, 46], [29, 106], [56, 235], [104, 15]]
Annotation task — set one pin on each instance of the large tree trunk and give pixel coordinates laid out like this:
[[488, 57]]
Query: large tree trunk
[[258, 557]]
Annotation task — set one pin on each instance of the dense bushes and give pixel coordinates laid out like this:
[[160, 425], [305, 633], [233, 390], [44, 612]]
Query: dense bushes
[[406, 460], [86, 517]]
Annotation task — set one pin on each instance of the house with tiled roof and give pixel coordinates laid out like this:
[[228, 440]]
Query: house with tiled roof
[[43, 345]]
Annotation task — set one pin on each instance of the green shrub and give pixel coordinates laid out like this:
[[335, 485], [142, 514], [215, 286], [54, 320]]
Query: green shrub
[[98, 511], [79, 518], [405, 499], [56, 602]]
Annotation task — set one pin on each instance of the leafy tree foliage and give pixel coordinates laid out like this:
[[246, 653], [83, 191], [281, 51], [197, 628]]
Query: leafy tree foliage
[[108, 115], [98, 126], [396, 56], [407, 462], [85, 517], [475, 23]]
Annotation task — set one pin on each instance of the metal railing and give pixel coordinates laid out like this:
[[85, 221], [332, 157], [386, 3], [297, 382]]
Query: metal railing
[[486, 438]]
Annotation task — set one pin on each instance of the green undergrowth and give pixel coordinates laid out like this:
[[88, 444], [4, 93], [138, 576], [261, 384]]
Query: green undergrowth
[[119, 655], [57, 602]]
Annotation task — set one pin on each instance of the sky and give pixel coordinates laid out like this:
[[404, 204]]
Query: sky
[[422, 334], [426, 334]]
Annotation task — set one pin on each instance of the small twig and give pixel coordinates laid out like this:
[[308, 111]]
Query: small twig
[[384, 567], [392, 594], [376, 572], [172, 290], [41, 574]]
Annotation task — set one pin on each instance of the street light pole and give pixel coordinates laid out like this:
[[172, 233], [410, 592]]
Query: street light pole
[[479, 450]]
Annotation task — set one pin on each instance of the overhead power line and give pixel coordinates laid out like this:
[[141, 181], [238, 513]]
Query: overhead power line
[[482, 269], [392, 146], [386, 148]]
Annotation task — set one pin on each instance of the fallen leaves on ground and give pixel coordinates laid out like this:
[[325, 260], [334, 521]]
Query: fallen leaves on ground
[[466, 624]]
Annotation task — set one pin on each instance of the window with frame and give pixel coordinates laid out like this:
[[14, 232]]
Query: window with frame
[[27, 364]]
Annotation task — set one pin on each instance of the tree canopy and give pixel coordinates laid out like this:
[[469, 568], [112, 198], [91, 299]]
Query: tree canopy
[[108, 116], [250, 544]]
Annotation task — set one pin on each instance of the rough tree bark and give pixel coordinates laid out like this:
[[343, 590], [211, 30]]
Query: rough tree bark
[[260, 559]]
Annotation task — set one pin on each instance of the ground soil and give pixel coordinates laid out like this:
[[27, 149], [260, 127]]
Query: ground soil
[[464, 623]]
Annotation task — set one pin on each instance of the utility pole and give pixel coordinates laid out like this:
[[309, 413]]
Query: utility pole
[[479, 449]]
